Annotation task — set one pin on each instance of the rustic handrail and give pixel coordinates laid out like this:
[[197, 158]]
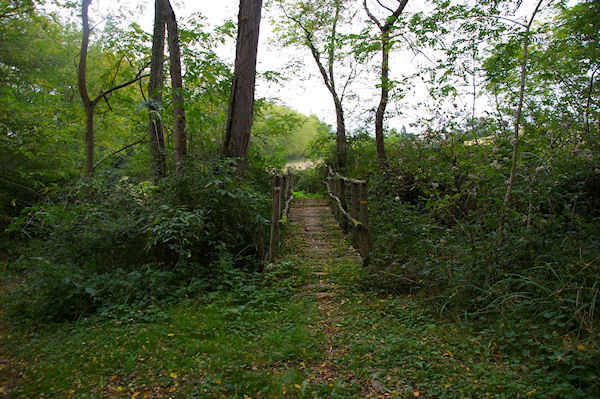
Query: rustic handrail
[[282, 189], [346, 179], [341, 208], [358, 217]]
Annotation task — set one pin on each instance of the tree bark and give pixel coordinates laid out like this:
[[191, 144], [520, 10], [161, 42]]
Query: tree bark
[[83, 93], [385, 30], [340, 135], [155, 87], [241, 102], [177, 87], [379, 115]]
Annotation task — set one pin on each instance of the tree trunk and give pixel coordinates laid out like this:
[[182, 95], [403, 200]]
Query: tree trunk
[[385, 30], [515, 139], [155, 86], [385, 89], [340, 136], [241, 103], [177, 86], [83, 93]]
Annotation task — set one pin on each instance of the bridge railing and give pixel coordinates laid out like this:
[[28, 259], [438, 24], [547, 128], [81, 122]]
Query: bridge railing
[[357, 218], [282, 197]]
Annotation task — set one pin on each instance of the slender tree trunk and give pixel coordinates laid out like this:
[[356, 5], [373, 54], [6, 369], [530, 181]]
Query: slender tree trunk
[[340, 136], [385, 89], [386, 44], [89, 141], [88, 103], [241, 103], [177, 86], [341, 142], [155, 87], [329, 78], [83, 93], [515, 139]]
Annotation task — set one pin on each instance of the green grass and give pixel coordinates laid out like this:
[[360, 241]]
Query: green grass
[[260, 340], [250, 341], [304, 194]]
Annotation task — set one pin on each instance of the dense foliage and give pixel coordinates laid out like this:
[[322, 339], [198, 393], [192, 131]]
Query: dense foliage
[[526, 270], [118, 246], [123, 243]]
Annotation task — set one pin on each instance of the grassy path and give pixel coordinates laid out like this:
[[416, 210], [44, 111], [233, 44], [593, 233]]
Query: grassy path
[[304, 329]]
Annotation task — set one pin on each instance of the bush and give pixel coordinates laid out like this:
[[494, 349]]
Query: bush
[[112, 244], [438, 230], [309, 180]]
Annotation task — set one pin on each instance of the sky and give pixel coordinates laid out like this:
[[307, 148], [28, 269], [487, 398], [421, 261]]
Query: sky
[[304, 90]]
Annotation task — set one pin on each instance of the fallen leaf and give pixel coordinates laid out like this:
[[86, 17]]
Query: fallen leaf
[[173, 375], [378, 386]]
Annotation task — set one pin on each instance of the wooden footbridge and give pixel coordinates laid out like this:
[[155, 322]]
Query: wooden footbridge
[[348, 201]]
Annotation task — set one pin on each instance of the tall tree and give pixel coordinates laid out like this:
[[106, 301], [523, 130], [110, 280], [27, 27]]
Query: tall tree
[[155, 87], [81, 83], [177, 86], [386, 44], [316, 24], [241, 103], [90, 104]]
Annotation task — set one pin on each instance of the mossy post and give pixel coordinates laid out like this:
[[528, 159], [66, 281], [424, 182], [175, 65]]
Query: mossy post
[[326, 177], [275, 216], [355, 210], [364, 220], [284, 191], [342, 197], [290, 182], [336, 192]]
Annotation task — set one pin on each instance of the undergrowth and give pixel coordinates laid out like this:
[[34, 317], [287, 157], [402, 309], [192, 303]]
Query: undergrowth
[[119, 247], [527, 276]]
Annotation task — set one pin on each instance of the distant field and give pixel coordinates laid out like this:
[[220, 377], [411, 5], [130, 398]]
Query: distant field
[[301, 165]]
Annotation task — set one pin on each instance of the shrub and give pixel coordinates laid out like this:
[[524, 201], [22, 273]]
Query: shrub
[[113, 244], [309, 180]]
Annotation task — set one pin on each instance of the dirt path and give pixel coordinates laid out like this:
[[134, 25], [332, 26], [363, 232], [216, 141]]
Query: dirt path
[[320, 242]]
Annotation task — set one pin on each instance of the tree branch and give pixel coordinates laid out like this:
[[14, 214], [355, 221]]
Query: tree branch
[[121, 150], [102, 94]]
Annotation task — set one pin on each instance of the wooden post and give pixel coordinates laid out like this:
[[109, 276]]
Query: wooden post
[[326, 176], [343, 221], [275, 216], [336, 192], [290, 182], [364, 220], [354, 212], [283, 194]]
